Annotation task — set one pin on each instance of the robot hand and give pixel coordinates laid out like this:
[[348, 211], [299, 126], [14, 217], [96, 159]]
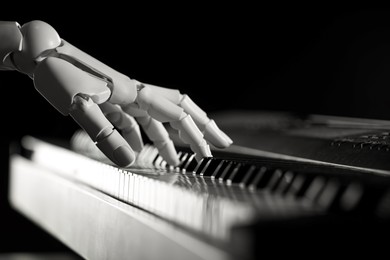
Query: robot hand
[[102, 100]]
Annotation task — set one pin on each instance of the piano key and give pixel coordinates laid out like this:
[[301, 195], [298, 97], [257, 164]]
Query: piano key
[[383, 208], [183, 159], [328, 195], [225, 173], [176, 168], [121, 185], [203, 162], [157, 161], [190, 164], [126, 187], [307, 180], [220, 167], [258, 176], [295, 186], [202, 170], [315, 188], [276, 178], [210, 167], [136, 190], [284, 182], [351, 196], [165, 165], [180, 155], [246, 176], [229, 180], [131, 187], [147, 156]]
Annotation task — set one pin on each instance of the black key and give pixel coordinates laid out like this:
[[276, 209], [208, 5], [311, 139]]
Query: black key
[[210, 167], [181, 156], [234, 173], [352, 196], [247, 176], [260, 178], [265, 180], [156, 159], [226, 172], [296, 185], [284, 182], [219, 169], [183, 160], [190, 164], [275, 179], [201, 165], [316, 187], [239, 173], [288, 179], [335, 205], [328, 194], [305, 185]]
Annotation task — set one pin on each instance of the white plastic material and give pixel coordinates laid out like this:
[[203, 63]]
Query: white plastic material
[[215, 136], [75, 83], [118, 151], [38, 37], [158, 106], [89, 116], [209, 128], [10, 41], [197, 114], [191, 135], [124, 90], [125, 123], [59, 81], [160, 138]]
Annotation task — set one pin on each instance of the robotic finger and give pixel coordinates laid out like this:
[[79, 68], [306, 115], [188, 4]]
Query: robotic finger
[[90, 117], [160, 107], [207, 126], [190, 134], [74, 92], [125, 123], [157, 133]]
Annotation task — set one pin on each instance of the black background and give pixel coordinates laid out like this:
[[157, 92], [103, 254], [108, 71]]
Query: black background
[[323, 59]]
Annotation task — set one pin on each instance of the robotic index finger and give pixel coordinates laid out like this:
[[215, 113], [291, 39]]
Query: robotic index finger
[[74, 92]]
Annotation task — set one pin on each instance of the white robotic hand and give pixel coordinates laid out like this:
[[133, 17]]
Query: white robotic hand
[[102, 100], [156, 105]]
